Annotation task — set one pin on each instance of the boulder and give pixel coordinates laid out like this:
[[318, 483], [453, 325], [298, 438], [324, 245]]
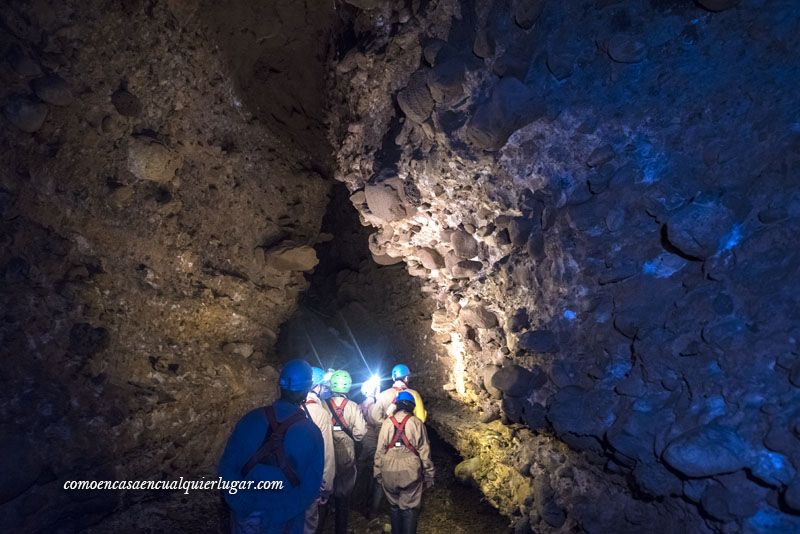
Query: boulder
[[487, 374], [707, 451], [53, 90], [466, 269], [582, 412], [698, 228], [653, 479], [542, 341], [464, 245], [289, 257], [478, 316], [625, 49], [25, 113], [510, 107], [465, 471], [385, 200], [791, 497], [126, 104], [152, 161], [415, 100], [430, 258], [513, 380], [245, 350], [527, 12], [446, 81]]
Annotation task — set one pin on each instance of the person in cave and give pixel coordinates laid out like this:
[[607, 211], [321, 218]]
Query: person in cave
[[403, 465], [317, 411], [275, 443], [379, 410], [349, 428]]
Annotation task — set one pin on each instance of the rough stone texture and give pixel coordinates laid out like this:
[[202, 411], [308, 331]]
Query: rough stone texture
[[139, 311], [622, 181]]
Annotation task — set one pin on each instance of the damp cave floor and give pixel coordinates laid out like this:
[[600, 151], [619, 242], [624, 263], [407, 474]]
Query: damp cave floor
[[448, 508]]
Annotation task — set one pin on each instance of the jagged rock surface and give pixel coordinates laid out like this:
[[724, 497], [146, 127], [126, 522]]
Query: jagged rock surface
[[615, 186], [153, 240]]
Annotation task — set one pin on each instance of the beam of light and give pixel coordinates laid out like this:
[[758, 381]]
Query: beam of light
[[311, 343], [353, 338], [372, 386], [456, 349]]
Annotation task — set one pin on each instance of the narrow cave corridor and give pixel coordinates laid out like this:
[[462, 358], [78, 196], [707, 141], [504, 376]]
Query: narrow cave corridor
[[575, 221]]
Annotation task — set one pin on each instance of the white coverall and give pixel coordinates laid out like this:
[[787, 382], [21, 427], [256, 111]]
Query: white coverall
[[401, 471], [322, 418], [345, 447]]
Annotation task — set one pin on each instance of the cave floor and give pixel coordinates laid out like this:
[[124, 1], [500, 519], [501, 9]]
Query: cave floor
[[448, 508]]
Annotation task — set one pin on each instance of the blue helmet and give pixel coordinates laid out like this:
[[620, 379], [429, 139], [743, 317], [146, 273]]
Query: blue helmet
[[399, 371], [295, 376], [405, 396], [317, 376]]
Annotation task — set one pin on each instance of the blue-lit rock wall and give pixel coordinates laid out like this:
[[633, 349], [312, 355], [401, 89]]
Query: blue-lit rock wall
[[603, 199]]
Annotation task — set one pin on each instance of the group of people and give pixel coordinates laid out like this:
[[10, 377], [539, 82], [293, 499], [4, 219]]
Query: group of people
[[315, 439]]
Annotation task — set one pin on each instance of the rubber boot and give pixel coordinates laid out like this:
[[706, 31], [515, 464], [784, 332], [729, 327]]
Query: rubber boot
[[409, 521], [342, 505], [397, 520], [375, 499], [323, 516]]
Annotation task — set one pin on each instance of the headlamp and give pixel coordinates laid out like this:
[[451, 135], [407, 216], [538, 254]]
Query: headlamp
[[372, 386]]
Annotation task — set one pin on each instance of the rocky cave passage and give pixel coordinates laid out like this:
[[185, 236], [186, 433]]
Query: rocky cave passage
[[582, 222]]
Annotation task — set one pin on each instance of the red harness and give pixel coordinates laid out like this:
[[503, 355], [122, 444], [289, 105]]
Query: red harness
[[400, 435], [271, 451], [338, 418]]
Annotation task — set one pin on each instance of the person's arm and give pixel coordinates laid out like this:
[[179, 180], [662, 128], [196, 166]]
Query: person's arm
[[424, 450], [378, 410], [322, 419], [383, 439], [419, 409], [358, 425], [247, 436]]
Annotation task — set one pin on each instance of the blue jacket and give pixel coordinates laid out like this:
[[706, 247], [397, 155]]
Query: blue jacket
[[272, 509]]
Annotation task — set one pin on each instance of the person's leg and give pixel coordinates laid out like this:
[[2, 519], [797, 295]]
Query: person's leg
[[342, 513], [312, 518], [322, 515], [397, 520], [375, 498], [409, 521]]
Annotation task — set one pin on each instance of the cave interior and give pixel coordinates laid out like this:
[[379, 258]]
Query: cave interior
[[575, 221]]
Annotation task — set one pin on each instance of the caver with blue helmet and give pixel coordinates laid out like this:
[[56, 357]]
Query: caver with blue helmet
[[275, 443], [384, 407], [403, 465]]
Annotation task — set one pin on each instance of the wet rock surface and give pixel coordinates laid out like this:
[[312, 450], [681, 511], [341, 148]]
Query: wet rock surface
[[590, 183]]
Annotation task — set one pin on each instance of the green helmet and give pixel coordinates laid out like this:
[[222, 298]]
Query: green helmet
[[341, 381]]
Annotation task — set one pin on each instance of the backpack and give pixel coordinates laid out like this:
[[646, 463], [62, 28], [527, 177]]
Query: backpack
[[271, 451]]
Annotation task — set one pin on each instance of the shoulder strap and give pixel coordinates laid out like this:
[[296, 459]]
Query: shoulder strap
[[337, 419], [400, 435], [271, 450]]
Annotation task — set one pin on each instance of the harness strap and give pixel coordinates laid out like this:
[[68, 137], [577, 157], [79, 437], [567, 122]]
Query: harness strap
[[271, 451], [338, 419], [400, 435]]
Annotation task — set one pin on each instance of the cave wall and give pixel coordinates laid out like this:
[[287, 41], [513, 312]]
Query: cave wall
[[154, 237], [601, 197]]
